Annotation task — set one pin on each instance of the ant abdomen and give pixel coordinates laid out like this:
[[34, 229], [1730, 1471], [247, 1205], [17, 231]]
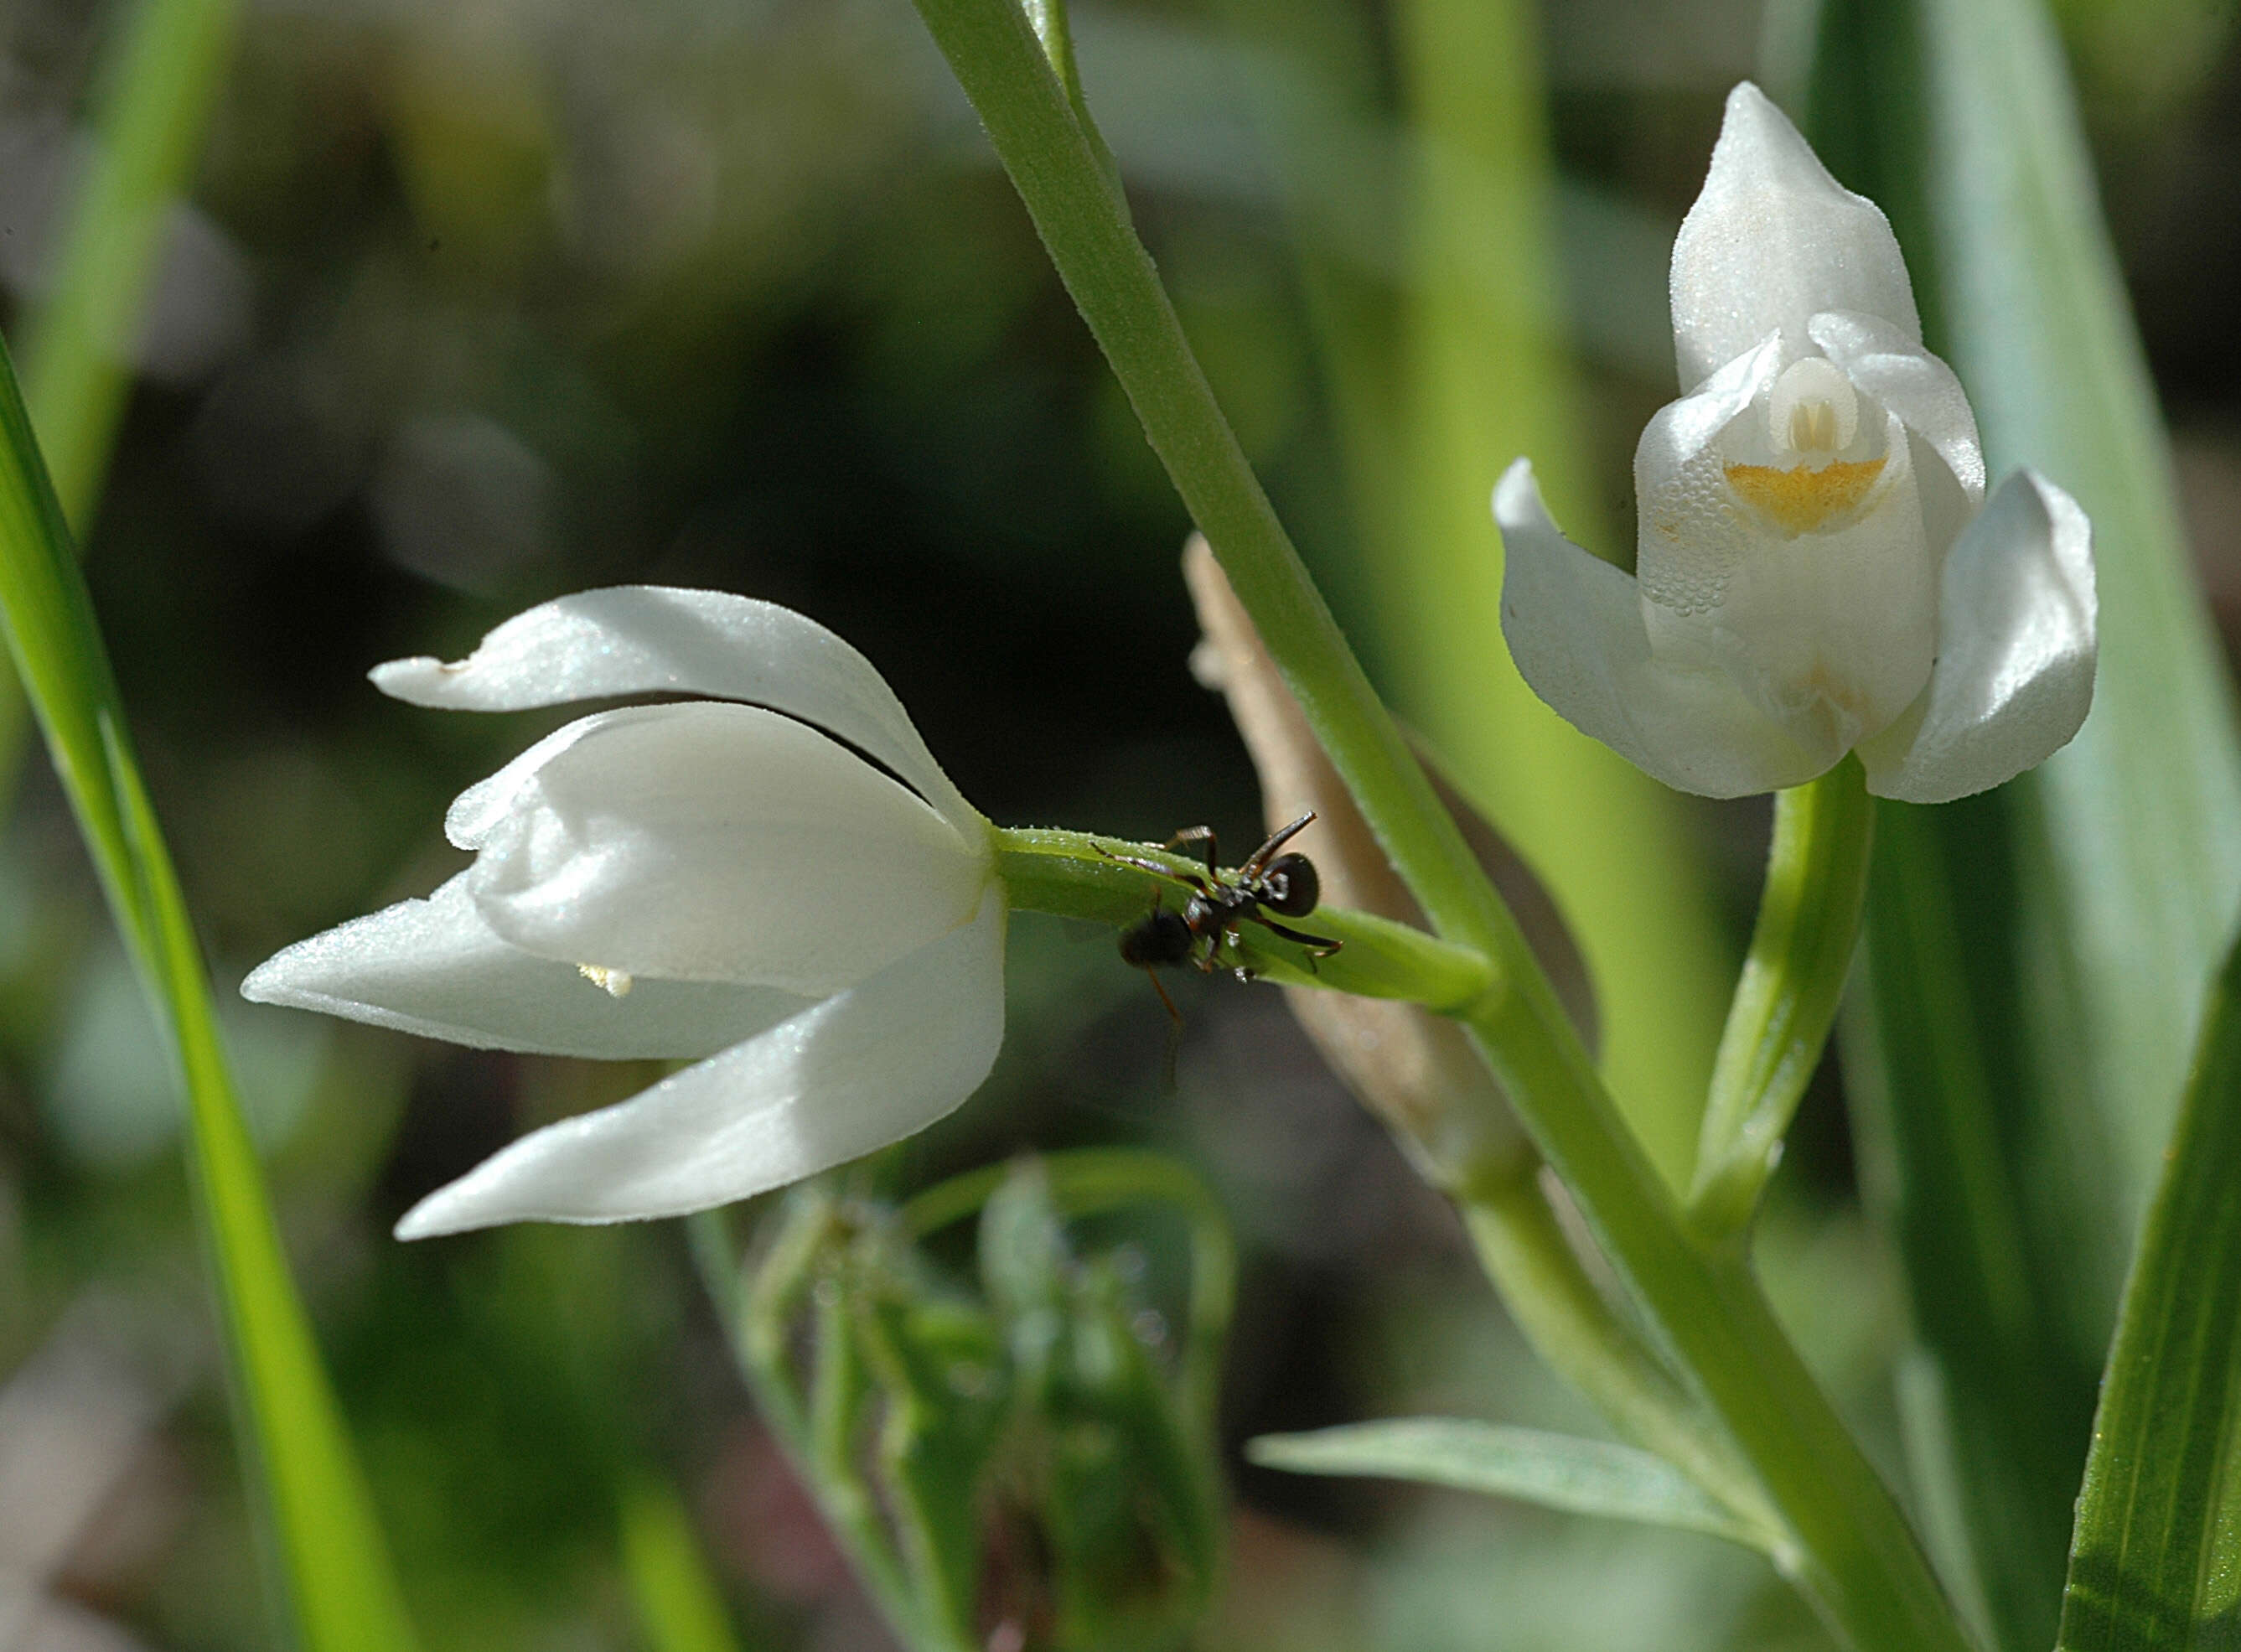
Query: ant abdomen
[[1162, 939]]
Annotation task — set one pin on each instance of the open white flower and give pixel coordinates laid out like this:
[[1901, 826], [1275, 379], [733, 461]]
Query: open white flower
[[1818, 569], [709, 878]]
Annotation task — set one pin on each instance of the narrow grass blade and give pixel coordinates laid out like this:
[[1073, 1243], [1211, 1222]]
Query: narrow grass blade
[[161, 78], [679, 1606], [2156, 1561], [1555, 1470], [334, 1570], [152, 110]]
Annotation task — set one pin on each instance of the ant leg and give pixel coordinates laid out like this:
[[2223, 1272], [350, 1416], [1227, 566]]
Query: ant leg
[[1196, 840], [1322, 946], [1151, 866], [1277, 839], [1174, 1034], [1174, 1015], [1209, 961]]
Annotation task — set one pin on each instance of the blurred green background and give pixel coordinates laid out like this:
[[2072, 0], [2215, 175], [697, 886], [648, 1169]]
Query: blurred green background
[[479, 303]]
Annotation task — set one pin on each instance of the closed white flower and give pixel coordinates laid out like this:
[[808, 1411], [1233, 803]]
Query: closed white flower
[[718, 879], [1818, 569]]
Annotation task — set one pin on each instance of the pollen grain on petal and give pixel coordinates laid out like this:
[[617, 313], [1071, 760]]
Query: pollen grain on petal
[[615, 983], [1805, 499]]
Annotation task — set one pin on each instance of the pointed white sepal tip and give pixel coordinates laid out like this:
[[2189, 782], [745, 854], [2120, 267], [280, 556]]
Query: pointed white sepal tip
[[417, 681], [845, 1077], [1517, 496], [1773, 240]]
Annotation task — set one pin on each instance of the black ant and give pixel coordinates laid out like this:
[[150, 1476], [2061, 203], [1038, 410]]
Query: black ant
[[1285, 884]]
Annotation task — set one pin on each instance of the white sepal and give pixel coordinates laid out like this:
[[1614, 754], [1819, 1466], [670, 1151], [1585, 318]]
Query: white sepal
[[433, 967], [713, 841], [2014, 678], [1772, 241], [1574, 625], [865, 1068], [640, 640]]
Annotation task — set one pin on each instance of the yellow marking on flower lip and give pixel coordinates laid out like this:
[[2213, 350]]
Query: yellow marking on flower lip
[[1799, 500]]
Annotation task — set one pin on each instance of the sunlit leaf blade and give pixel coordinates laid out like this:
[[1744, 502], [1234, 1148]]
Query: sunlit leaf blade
[[679, 1606], [2142, 813], [2039, 954], [1557, 1471], [2156, 1559], [335, 1572], [1995, 1401]]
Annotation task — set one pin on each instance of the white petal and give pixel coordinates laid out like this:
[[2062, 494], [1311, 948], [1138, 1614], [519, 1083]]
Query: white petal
[[433, 967], [1898, 373], [482, 805], [1575, 626], [639, 639], [1772, 241], [864, 1068], [2015, 650], [1689, 538], [711, 841]]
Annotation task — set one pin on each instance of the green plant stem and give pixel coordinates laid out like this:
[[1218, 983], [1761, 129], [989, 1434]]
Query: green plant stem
[[1850, 1550], [1854, 1557], [757, 1317], [1063, 873], [1572, 1328], [1002, 68], [1801, 953], [1562, 1313]]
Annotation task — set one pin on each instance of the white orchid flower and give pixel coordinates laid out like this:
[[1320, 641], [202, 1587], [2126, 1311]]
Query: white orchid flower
[[825, 939], [1818, 569]]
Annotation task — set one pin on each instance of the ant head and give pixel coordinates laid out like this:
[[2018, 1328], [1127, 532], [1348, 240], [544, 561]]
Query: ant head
[[1290, 886], [1162, 938]]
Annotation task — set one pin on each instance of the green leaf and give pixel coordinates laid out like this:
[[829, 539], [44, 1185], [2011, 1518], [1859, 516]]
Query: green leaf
[[162, 74], [1995, 1401], [2156, 1561], [679, 1606], [2042, 335], [334, 1569], [2038, 955], [1555, 1470]]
